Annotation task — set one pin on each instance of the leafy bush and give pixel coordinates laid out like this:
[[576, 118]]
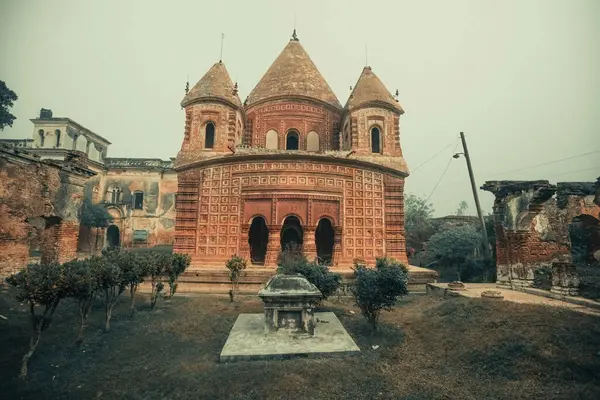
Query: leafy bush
[[179, 263], [235, 265], [542, 278], [292, 261], [40, 285], [377, 289], [158, 265]]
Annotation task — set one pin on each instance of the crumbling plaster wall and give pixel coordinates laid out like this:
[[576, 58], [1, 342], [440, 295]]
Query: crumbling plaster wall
[[157, 216]]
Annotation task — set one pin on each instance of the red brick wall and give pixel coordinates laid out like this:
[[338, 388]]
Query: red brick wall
[[30, 189], [216, 204], [301, 115]]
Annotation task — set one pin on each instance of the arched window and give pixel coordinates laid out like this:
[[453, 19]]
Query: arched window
[[375, 140], [291, 141], [42, 137], [138, 200], [113, 194], [209, 136], [272, 142], [312, 141], [57, 132]]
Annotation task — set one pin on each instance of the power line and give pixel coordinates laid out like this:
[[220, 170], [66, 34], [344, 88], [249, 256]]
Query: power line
[[548, 162], [443, 173], [434, 156], [578, 170]]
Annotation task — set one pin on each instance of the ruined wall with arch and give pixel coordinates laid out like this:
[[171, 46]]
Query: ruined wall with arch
[[533, 221]]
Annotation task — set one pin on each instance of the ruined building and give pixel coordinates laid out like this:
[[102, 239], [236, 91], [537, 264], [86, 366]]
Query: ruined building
[[139, 193], [544, 226]]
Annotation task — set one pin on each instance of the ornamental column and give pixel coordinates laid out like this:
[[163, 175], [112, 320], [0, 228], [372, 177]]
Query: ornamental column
[[244, 247], [309, 246], [337, 246], [273, 245]]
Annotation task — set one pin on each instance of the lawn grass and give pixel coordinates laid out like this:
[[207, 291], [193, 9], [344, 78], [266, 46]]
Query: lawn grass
[[430, 348]]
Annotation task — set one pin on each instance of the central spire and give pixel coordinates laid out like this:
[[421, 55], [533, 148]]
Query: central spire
[[293, 74]]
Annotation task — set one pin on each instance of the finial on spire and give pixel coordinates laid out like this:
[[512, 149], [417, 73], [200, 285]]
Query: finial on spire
[[187, 85], [396, 94], [222, 39], [294, 36], [235, 89]]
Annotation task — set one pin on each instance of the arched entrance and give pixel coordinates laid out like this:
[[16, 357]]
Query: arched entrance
[[113, 236], [258, 237], [291, 233], [324, 240]]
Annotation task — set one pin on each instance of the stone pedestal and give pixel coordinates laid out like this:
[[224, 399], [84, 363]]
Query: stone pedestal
[[289, 302], [565, 279]]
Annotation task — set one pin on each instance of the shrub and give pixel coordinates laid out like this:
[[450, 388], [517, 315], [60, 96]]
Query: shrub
[[158, 265], [179, 263], [110, 282], [542, 278], [235, 265], [40, 285], [80, 284], [378, 288], [292, 261]]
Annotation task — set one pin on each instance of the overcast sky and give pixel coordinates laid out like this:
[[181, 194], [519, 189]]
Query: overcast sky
[[520, 77]]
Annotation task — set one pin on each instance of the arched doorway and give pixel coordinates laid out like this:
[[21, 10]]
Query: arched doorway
[[324, 240], [291, 233], [258, 237], [113, 236]]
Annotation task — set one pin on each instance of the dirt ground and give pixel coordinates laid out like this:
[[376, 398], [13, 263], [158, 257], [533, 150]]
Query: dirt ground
[[429, 348]]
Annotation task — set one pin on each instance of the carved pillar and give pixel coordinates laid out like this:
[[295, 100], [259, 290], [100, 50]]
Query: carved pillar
[[337, 246], [309, 246], [273, 246], [244, 245]]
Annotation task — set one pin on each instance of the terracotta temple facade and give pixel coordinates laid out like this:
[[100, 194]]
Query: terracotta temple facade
[[290, 166]]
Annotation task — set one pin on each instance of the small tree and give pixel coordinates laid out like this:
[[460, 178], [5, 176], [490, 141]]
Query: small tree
[[462, 207], [134, 269], [179, 263], [378, 288], [81, 285], [111, 284], [40, 285], [235, 265], [417, 222], [454, 246], [158, 265], [7, 97]]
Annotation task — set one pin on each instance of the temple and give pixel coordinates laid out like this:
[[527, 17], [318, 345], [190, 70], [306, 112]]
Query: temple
[[290, 165]]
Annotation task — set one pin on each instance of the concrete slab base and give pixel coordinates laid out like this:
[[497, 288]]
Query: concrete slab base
[[249, 341]]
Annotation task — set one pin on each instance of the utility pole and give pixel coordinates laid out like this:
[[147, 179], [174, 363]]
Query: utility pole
[[486, 242]]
